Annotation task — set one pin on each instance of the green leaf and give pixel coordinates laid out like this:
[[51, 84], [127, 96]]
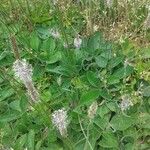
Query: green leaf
[[146, 91], [102, 110], [115, 61], [123, 72], [20, 142], [34, 41], [109, 140], [53, 69], [48, 45], [112, 106], [112, 80], [9, 116], [104, 93], [38, 145], [6, 93], [43, 32], [53, 58], [31, 140], [146, 53], [15, 105], [89, 96], [92, 78], [95, 41], [101, 61], [102, 122], [51, 135], [122, 122]]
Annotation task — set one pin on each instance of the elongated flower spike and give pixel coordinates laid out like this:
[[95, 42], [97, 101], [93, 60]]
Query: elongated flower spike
[[59, 120], [24, 72], [92, 110]]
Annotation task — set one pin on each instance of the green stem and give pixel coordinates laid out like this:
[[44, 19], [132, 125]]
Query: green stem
[[87, 141], [68, 143]]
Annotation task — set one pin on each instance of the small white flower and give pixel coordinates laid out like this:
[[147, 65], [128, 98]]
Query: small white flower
[[109, 3], [125, 103], [92, 110], [23, 70], [54, 33], [55, 2], [77, 42], [59, 119], [59, 80]]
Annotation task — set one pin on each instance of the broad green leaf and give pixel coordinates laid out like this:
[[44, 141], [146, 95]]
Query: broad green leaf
[[15, 105], [146, 53], [52, 135], [31, 140], [102, 122], [9, 116], [146, 91], [107, 52], [101, 61], [104, 93], [112, 106], [95, 41], [53, 69], [43, 33], [1, 80], [115, 61], [102, 110], [112, 80], [109, 140], [34, 41], [20, 142], [6, 93], [123, 72], [3, 55], [48, 45], [54, 58], [38, 145], [92, 78], [89, 96], [129, 146], [122, 122]]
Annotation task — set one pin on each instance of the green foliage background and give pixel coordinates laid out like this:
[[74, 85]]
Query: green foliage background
[[101, 70]]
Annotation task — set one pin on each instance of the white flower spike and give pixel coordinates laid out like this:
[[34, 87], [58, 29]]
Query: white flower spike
[[77, 42], [59, 120], [24, 72]]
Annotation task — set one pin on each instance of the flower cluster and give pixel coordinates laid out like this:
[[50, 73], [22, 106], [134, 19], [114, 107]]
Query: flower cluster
[[92, 110], [109, 3], [59, 119], [125, 103], [77, 42], [54, 33]]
